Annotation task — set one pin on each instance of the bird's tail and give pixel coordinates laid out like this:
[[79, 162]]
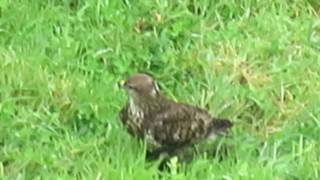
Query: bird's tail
[[221, 126]]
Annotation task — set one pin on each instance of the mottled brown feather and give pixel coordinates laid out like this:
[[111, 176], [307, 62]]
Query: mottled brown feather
[[163, 122]]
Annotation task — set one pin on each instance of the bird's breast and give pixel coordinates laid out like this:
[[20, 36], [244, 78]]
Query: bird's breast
[[136, 117]]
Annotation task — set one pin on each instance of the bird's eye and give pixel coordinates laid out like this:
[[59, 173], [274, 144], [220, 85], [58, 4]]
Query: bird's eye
[[131, 87]]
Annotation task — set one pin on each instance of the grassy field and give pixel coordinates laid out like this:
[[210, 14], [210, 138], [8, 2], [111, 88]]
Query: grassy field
[[255, 62]]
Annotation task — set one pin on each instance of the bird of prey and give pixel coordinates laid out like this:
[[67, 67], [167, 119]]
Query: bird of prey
[[165, 124]]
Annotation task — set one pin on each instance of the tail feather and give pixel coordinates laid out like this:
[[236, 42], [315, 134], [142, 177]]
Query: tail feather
[[221, 125]]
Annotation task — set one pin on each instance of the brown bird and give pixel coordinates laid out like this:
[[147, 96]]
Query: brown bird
[[164, 124]]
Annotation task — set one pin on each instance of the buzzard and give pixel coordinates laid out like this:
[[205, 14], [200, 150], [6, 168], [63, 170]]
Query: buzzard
[[165, 124]]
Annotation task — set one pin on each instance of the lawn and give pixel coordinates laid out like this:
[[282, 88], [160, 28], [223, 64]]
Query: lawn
[[255, 62]]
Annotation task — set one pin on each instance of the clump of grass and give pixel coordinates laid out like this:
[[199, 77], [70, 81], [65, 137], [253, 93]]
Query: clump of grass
[[254, 62]]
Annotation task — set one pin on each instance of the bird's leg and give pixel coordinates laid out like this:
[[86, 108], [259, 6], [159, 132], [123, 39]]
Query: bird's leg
[[163, 152], [183, 153]]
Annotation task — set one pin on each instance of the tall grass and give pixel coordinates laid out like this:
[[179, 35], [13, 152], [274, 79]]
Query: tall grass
[[255, 62]]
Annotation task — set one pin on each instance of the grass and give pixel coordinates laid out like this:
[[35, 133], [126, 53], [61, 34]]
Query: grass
[[255, 62]]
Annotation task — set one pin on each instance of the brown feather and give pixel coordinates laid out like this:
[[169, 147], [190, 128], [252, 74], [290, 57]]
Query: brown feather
[[163, 122]]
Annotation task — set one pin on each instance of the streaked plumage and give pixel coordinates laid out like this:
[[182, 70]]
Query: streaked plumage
[[164, 123]]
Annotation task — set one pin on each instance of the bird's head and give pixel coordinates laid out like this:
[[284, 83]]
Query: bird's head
[[141, 86]]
